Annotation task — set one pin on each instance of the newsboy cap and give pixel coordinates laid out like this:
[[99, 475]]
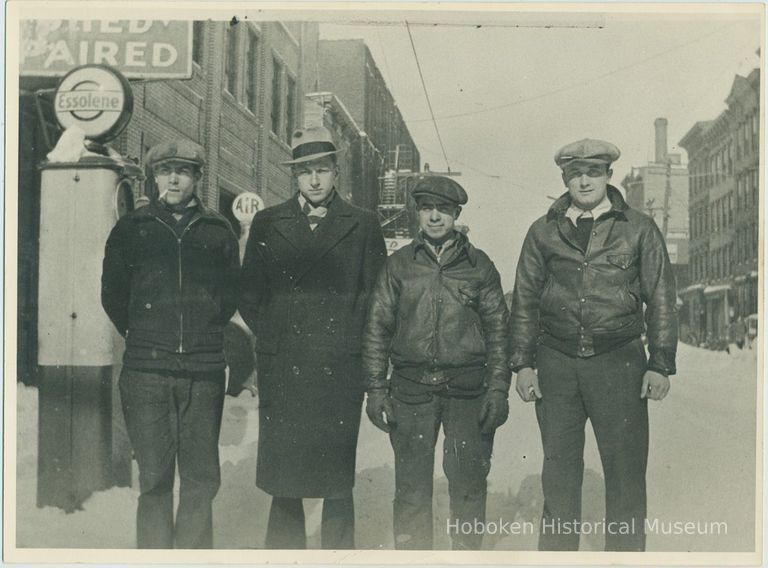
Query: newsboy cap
[[587, 150], [440, 187], [309, 144], [178, 151]]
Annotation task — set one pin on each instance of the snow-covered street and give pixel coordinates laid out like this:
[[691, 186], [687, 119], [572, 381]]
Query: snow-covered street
[[701, 470]]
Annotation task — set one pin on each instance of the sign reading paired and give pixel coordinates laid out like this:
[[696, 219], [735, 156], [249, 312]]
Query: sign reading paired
[[139, 49]]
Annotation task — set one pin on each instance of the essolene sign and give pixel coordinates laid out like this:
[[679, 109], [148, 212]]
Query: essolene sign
[[96, 98]]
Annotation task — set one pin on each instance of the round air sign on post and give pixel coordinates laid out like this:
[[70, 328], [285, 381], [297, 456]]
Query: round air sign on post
[[246, 205], [97, 99]]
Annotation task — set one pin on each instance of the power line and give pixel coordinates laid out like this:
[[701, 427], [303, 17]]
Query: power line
[[580, 84], [426, 94]]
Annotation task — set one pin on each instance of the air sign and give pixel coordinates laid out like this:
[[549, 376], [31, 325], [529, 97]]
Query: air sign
[[95, 98], [246, 205]]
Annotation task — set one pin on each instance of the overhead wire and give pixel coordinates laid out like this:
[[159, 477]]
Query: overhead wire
[[579, 84], [426, 95]]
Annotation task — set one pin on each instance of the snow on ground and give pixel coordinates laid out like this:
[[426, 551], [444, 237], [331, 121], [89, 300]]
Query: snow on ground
[[701, 468]]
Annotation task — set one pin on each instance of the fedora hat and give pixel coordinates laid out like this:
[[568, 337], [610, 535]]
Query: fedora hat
[[309, 144]]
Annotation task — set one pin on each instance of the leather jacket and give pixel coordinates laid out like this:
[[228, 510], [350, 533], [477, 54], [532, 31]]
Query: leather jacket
[[587, 301], [436, 321]]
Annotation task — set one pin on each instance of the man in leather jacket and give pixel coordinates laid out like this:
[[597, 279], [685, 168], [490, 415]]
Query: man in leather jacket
[[438, 313], [169, 286], [585, 272]]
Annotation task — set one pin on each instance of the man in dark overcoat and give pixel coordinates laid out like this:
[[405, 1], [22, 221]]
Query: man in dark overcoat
[[309, 267], [586, 270], [169, 286]]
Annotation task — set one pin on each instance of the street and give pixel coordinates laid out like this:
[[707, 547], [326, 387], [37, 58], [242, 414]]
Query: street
[[701, 470]]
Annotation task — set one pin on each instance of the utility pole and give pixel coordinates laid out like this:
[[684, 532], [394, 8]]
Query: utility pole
[[667, 194]]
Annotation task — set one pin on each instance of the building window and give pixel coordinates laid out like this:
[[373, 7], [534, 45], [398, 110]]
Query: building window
[[290, 107], [230, 60], [251, 71], [198, 33], [277, 72]]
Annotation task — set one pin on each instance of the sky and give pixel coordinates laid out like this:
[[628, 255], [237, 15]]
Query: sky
[[508, 90]]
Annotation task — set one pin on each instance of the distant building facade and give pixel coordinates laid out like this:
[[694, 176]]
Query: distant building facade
[[348, 70], [723, 158], [660, 189], [360, 161]]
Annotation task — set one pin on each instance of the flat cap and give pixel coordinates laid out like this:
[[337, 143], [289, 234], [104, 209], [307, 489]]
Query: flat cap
[[440, 187], [178, 151], [587, 150]]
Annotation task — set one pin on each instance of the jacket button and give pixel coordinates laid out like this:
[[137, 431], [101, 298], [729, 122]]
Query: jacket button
[[296, 370], [148, 306], [328, 371], [586, 263], [583, 300], [594, 233], [434, 379]]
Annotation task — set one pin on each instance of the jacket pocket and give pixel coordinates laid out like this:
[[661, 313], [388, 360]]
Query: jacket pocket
[[470, 296], [623, 261]]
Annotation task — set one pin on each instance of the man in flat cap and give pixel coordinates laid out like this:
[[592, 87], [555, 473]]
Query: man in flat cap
[[169, 286], [309, 267], [587, 269], [438, 314]]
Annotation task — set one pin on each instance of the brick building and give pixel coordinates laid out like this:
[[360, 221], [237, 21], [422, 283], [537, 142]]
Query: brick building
[[348, 70], [241, 104], [360, 162], [660, 189], [723, 159]]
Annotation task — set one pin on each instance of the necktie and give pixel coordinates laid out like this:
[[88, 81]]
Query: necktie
[[583, 229], [314, 220]]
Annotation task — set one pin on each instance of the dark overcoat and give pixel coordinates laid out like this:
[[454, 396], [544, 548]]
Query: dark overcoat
[[304, 294]]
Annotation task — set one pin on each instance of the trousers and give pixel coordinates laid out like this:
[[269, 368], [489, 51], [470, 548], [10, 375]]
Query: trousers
[[466, 463], [606, 390], [174, 418], [286, 528]]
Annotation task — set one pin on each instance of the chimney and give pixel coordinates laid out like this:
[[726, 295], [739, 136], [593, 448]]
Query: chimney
[[661, 140]]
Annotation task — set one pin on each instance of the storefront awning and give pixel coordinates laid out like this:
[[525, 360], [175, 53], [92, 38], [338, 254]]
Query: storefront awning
[[691, 289], [716, 289]]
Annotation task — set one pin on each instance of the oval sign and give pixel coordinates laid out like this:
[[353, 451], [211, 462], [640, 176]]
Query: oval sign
[[96, 98], [246, 205]]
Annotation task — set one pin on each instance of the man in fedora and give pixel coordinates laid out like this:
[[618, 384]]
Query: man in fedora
[[310, 264], [586, 271], [169, 286], [438, 313]]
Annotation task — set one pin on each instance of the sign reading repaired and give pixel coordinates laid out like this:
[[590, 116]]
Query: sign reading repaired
[[139, 49]]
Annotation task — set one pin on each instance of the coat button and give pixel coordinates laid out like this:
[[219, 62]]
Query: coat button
[[296, 370], [328, 371], [148, 306], [583, 300]]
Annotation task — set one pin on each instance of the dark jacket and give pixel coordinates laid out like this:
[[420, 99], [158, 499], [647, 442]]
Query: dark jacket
[[584, 302], [437, 321], [171, 294], [305, 294]]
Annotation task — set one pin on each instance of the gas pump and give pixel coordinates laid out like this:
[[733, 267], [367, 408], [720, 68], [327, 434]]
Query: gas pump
[[85, 188]]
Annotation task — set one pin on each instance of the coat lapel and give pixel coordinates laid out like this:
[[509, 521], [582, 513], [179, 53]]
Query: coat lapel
[[292, 224], [337, 224]]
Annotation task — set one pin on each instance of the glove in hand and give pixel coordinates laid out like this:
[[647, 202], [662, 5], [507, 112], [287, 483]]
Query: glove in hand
[[379, 410]]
